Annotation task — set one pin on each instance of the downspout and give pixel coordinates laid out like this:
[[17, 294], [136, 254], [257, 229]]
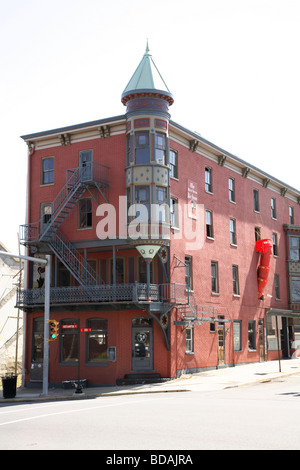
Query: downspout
[[30, 152]]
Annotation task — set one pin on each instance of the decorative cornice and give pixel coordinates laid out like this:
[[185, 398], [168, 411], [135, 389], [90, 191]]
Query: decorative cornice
[[65, 139], [193, 145], [222, 159], [104, 131], [245, 171]]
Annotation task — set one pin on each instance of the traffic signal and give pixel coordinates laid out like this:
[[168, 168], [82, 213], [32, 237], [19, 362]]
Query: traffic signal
[[53, 330]]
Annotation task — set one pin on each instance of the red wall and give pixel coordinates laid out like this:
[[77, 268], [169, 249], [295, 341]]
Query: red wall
[[109, 152], [191, 166]]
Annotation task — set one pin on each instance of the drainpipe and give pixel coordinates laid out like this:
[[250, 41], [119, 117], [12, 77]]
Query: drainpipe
[[30, 152]]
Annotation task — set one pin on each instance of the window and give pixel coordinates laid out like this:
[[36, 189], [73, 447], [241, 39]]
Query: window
[[235, 280], [131, 270], [237, 335], [174, 212], [119, 271], [209, 224], [143, 271], [48, 170], [128, 149], [214, 277], [173, 164], [257, 233], [273, 208], [256, 200], [295, 249], [189, 340], [208, 180], [46, 210], [291, 215], [142, 197], [142, 147], [295, 281], [231, 183], [103, 270], [232, 225], [276, 284], [188, 272], [64, 276], [251, 336], [97, 341], [85, 213], [161, 200], [160, 148], [275, 245], [69, 338]]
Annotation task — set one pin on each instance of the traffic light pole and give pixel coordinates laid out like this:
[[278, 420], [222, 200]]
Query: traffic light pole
[[46, 325], [47, 263]]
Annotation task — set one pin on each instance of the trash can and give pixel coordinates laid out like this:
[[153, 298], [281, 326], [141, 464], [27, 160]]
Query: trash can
[[9, 384]]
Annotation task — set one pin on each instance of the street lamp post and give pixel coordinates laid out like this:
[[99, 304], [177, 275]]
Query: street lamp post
[[148, 252], [47, 263]]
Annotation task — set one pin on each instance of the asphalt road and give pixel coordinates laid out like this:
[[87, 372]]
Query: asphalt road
[[262, 416]]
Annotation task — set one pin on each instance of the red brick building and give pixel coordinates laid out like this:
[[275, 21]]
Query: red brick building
[[199, 303]]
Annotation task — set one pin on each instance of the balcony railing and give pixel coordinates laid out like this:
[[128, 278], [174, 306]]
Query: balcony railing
[[67, 197], [171, 293]]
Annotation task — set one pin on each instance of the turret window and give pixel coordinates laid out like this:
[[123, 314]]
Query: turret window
[[142, 196], [160, 148], [142, 153]]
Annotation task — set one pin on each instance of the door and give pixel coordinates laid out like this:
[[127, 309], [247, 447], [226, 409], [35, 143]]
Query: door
[[36, 366], [142, 349], [46, 214], [221, 345], [85, 163], [261, 340]]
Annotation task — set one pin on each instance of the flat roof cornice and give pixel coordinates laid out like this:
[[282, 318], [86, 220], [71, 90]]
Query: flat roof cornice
[[242, 163], [75, 127]]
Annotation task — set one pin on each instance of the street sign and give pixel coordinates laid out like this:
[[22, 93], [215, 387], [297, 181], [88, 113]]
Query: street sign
[[85, 330]]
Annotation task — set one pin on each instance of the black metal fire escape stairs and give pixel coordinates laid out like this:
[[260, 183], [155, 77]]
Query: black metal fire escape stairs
[[90, 176]]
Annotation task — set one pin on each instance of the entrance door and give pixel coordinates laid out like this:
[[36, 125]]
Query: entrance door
[[261, 340], [221, 345], [142, 348]]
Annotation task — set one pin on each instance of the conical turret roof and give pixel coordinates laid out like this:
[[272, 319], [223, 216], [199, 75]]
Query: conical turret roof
[[147, 79]]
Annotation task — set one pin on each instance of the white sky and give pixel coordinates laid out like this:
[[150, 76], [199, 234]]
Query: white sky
[[232, 65]]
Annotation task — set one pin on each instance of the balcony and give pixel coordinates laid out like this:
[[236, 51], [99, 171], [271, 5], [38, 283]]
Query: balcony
[[114, 293]]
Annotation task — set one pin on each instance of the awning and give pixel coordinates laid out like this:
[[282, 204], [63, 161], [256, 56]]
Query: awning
[[278, 312]]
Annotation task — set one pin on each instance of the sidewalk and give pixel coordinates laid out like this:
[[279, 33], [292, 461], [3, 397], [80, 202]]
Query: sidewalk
[[212, 380]]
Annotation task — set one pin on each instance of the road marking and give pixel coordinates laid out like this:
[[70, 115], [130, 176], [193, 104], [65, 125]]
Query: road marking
[[30, 418]]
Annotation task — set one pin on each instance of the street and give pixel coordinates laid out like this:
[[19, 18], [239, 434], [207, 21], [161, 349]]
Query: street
[[261, 416]]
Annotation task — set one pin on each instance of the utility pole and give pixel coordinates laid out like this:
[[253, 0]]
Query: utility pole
[[47, 263]]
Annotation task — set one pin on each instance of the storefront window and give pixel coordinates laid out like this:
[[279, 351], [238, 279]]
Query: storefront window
[[97, 340]]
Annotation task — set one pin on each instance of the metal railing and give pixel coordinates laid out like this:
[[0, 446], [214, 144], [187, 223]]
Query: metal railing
[[77, 179], [73, 260], [137, 292]]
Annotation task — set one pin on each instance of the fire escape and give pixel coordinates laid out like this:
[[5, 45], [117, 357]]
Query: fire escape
[[90, 176]]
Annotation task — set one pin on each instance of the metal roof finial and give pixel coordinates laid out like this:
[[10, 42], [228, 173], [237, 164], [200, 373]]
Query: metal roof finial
[[147, 48]]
